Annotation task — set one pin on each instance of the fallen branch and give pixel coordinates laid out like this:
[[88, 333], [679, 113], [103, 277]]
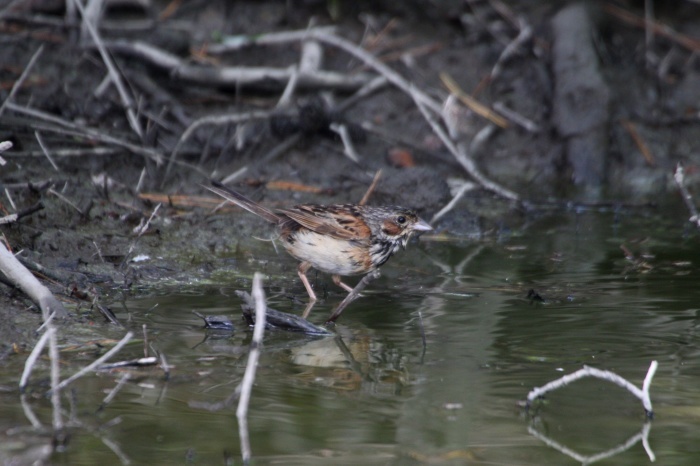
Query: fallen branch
[[235, 76], [642, 394], [30, 285], [232, 43], [278, 320]]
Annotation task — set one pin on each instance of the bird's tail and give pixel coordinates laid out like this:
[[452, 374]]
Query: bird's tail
[[241, 201]]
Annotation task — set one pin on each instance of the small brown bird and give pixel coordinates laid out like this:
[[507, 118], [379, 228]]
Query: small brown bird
[[340, 239]]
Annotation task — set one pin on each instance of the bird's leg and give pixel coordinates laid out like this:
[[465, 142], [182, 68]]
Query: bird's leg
[[336, 280], [301, 270], [307, 309]]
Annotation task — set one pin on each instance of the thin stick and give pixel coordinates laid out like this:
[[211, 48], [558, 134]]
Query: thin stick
[[639, 142], [289, 89], [459, 154], [266, 77], [518, 119], [22, 77], [145, 341], [230, 43], [80, 152], [66, 200], [45, 150], [371, 188], [95, 363], [353, 295], [278, 150], [342, 131], [88, 132], [372, 86], [33, 356], [688, 42], [370, 60], [466, 186], [251, 367], [116, 78], [511, 49], [9, 198], [140, 231], [476, 106], [213, 120]]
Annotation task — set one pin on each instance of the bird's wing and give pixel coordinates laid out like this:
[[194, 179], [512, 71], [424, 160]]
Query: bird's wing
[[339, 221]]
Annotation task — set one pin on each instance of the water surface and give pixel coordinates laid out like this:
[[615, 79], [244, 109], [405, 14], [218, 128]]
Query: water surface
[[376, 394]]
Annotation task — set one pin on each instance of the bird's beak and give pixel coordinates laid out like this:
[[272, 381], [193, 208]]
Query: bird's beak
[[422, 225]]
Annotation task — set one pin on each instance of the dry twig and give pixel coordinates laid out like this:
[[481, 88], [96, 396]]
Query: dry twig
[[114, 75], [22, 78], [97, 362], [476, 106], [371, 188], [266, 77], [353, 295], [459, 152], [639, 142], [691, 44]]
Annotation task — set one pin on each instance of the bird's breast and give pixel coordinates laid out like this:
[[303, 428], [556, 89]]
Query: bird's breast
[[329, 254]]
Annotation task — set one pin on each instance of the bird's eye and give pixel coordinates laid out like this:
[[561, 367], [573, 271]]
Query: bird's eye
[[401, 220]]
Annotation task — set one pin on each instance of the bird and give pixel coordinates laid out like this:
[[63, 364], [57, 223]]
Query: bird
[[339, 239]]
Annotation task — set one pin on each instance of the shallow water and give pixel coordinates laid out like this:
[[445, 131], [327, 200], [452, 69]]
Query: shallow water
[[374, 394]]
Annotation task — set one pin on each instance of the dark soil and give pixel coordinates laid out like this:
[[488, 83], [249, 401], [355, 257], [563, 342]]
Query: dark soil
[[598, 98]]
